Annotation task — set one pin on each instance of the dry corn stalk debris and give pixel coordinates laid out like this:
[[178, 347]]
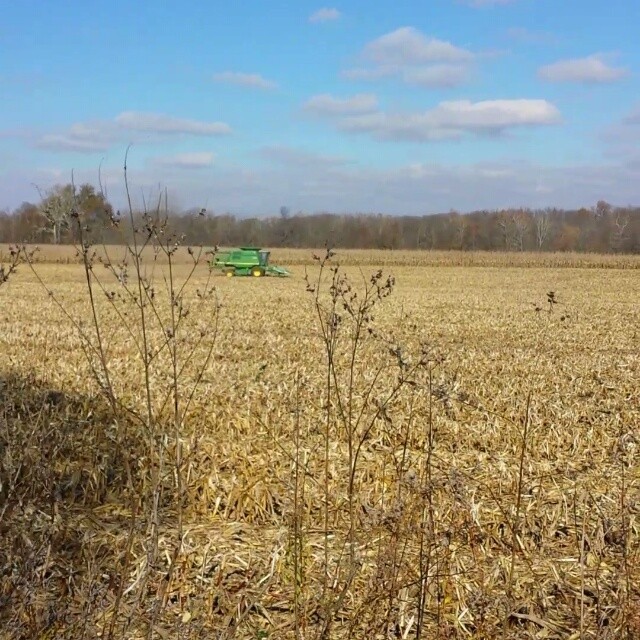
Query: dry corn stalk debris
[[450, 522]]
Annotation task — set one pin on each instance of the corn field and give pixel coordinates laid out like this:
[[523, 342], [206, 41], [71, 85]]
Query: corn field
[[385, 445]]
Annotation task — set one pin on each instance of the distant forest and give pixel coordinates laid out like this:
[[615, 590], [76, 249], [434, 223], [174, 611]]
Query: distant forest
[[602, 228]]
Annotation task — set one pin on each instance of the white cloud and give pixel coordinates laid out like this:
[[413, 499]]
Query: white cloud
[[591, 69], [412, 57], [324, 15], [409, 46], [328, 105], [129, 126], [495, 114], [450, 120], [193, 160], [163, 124], [254, 80]]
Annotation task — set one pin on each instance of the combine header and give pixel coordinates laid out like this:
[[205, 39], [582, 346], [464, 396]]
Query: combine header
[[247, 261]]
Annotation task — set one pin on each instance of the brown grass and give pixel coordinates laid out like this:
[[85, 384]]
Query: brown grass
[[463, 525]]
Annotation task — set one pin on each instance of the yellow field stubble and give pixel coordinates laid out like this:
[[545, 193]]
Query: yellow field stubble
[[493, 345]]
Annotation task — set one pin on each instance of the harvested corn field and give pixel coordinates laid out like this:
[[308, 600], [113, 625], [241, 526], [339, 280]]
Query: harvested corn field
[[442, 449]]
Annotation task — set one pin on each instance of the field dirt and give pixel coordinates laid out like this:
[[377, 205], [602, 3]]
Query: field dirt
[[469, 467]]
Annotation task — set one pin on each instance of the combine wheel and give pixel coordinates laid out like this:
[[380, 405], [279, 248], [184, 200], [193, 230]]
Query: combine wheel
[[257, 272], [229, 273]]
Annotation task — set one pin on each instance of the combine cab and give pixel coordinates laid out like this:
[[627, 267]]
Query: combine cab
[[247, 261]]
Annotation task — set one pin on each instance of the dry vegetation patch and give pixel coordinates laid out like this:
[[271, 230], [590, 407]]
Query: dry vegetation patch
[[468, 468]]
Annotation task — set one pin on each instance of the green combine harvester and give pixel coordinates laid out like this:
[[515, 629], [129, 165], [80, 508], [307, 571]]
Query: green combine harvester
[[247, 261]]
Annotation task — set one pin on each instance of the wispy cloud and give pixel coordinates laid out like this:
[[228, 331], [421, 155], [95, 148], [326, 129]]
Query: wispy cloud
[[450, 120], [328, 105], [414, 58], [164, 124], [408, 188], [81, 137], [194, 160], [633, 118], [589, 70], [62, 142], [529, 36], [325, 14], [621, 138], [253, 80], [296, 158], [101, 135]]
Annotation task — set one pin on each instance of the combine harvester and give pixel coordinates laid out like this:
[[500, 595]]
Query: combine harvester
[[247, 261]]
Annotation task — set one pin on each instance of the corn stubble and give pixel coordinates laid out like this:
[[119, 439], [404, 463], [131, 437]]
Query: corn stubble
[[423, 452]]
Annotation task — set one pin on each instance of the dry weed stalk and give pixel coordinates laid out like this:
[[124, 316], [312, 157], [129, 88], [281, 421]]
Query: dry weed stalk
[[359, 406], [156, 321], [6, 271]]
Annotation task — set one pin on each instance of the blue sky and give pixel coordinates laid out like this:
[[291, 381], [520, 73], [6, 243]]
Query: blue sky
[[396, 107]]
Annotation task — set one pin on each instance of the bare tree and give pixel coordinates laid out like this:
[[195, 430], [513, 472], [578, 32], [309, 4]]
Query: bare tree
[[459, 224], [56, 207], [520, 220], [619, 232], [601, 228], [542, 224], [505, 225]]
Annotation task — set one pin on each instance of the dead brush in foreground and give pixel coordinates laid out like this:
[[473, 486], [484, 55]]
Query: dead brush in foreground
[[357, 473]]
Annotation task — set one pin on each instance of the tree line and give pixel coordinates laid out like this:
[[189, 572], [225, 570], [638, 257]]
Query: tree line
[[602, 228]]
